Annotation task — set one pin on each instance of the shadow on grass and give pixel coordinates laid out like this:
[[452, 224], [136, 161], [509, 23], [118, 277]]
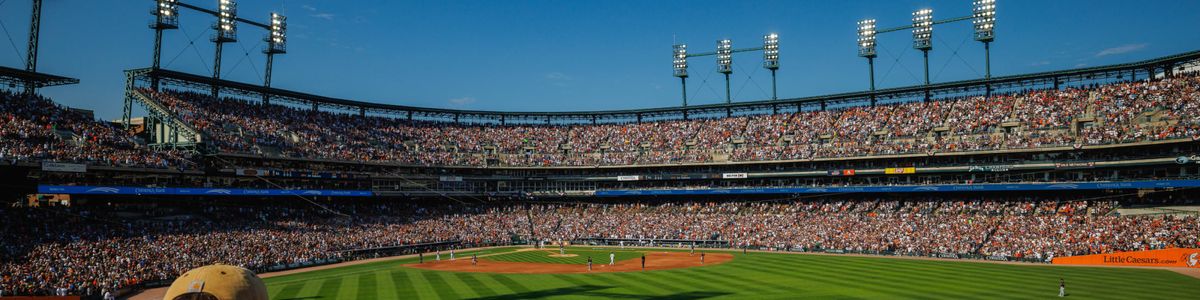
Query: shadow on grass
[[595, 291]]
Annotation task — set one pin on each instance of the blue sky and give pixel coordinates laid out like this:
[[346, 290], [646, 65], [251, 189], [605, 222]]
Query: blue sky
[[581, 55]]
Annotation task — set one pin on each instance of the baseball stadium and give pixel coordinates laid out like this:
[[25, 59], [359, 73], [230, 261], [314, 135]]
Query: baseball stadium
[[839, 151]]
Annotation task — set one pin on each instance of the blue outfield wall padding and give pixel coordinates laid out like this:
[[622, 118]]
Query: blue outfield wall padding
[[1148, 184], [124, 190]]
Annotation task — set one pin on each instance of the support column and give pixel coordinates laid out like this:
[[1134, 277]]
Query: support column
[[31, 58]]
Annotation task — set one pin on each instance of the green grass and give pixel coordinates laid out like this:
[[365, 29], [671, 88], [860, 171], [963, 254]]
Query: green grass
[[752, 276], [599, 256]]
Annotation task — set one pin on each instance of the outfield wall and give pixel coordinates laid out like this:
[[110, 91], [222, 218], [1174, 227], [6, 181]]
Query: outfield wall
[[1173, 257]]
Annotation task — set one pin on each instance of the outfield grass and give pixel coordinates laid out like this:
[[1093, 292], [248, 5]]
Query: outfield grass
[[599, 256], [751, 276]]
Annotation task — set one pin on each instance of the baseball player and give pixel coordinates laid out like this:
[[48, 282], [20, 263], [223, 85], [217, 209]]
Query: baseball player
[[612, 258], [451, 253], [561, 251], [421, 257], [693, 252], [474, 259], [439, 255], [589, 263], [1062, 288], [702, 257], [643, 261]]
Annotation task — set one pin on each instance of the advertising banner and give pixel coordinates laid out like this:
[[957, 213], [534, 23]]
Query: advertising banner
[[734, 175], [908, 170], [1010, 187], [1173, 257], [63, 167], [125, 190], [629, 178]]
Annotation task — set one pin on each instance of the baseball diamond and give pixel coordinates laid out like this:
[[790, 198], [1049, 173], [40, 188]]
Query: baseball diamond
[[753, 275]]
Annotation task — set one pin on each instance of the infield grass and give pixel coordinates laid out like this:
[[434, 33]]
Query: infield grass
[[750, 276]]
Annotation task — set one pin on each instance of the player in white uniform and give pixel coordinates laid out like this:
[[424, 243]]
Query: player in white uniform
[[439, 255], [451, 253], [612, 258], [1062, 288]]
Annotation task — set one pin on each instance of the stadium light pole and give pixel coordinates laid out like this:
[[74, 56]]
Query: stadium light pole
[[984, 18], [35, 25], [771, 59], [680, 64], [276, 44], [922, 31], [866, 48], [725, 64], [226, 28], [166, 16]]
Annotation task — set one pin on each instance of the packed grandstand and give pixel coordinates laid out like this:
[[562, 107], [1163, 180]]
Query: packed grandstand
[[109, 247]]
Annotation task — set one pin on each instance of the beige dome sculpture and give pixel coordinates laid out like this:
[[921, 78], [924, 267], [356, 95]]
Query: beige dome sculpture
[[217, 282]]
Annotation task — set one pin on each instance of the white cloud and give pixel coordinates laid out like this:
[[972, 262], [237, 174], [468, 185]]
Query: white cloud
[[326, 16], [461, 101], [557, 76], [308, 7], [1122, 49]]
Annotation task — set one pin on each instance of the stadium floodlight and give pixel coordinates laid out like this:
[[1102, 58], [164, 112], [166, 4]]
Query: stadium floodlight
[[679, 56], [725, 64], [725, 56], [866, 38], [771, 51], [166, 14], [226, 22], [984, 19], [922, 29], [866, 48], [277, 38], [679, 62], [771, 59]]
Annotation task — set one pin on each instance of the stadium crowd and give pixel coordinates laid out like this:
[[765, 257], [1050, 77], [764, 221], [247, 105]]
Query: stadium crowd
[[1099, 114], [35, 128], [99, 248]]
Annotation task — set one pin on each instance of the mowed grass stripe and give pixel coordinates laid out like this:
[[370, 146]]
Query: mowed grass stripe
[[469, 280], [620, 282], [348, 288], [489, 280], [405, 285], [367, 286], [513, 285], [894, 283], [385, 287], [289, 291], [456, 285], [822, 275], [311, 288], [434, 281]]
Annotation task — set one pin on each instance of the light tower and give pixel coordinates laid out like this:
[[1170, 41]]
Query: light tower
[[166, 16], [922, 31], [725, 64], [984, 19], [276, 44], [866, 48], [679, 56], [771, 59], [226, 28]]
